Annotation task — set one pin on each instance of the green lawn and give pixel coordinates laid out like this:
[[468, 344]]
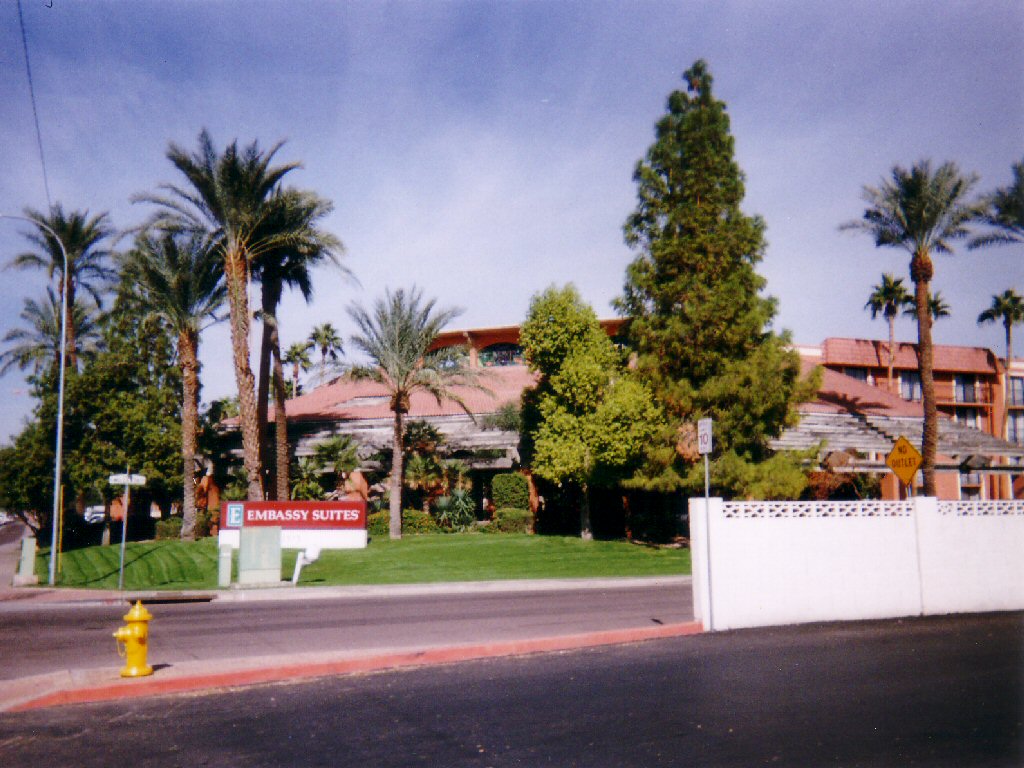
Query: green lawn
[[414, 559]]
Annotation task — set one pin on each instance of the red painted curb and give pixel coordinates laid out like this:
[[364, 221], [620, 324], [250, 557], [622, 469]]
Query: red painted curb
[[155, 686]]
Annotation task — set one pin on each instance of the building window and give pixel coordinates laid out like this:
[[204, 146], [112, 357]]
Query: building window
[[910, 385], [860, 374], [1016, 390], [964, 389], [970, 417], [501, 354], [1015, 427]]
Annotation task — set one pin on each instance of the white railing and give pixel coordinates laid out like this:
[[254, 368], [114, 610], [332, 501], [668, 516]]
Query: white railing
[[772, 509]]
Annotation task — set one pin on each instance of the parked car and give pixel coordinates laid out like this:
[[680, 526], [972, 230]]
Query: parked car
[[95, 514]]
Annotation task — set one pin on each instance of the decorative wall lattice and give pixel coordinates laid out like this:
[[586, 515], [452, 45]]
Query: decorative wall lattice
[[981, 508], [771, 509], [810, 509]]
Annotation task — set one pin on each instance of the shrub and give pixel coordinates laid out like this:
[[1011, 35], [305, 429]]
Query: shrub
[[205, 520], [510, 490], [168, 529], [510, 520], [413, 521], [455, 512]]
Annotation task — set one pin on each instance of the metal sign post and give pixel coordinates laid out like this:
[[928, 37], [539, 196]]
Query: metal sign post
[[704, 446], [127, 480]]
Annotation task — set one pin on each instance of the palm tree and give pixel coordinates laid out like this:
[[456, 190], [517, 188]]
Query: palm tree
[[1004, 212], [1007, 308], [306, 483], [226, 197], [177, 277], [325, 338], [38, 341], [88, 269], [921, 211], [297, 357], [887, 298], [938, 307], [423, 472], [341, 454], [396, 338], [288, 263]]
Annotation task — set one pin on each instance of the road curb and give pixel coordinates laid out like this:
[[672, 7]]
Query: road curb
[[66, 687]]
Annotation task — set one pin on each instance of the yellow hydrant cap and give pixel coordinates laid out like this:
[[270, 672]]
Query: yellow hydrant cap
[[138, 613]]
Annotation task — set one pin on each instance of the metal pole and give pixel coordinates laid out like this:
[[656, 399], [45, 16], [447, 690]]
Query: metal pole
[[60, 391], [707, 537], [124, 528]]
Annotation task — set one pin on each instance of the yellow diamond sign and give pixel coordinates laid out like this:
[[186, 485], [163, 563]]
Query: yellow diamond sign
[[904, 459]]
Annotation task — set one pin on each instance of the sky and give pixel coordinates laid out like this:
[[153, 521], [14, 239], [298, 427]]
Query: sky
[[483, 151]]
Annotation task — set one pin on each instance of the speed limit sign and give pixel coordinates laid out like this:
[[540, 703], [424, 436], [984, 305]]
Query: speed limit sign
[[704, 437]]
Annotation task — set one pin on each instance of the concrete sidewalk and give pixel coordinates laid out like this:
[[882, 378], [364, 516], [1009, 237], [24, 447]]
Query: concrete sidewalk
[[82, 686]]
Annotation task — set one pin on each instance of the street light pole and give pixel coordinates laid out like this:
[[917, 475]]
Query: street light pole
[[60, 392]]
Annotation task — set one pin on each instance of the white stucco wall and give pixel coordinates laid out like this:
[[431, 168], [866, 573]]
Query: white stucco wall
[[799, 562]]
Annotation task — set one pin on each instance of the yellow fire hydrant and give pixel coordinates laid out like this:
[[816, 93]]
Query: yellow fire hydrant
[[134, 636]]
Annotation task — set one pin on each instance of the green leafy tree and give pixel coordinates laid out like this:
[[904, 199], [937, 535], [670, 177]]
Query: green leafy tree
[[395, 337], [1004, 213], [288, 263], [921, 211], [227, 196], [177, 278], [887, 299], [88, 267], [586, 422], [698, 322]]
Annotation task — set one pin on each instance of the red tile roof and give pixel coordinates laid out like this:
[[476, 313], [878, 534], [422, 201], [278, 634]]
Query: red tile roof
[[870, 353], [844, 394], [347, 399]]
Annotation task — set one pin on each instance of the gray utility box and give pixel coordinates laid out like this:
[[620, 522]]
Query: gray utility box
[[259, 556]]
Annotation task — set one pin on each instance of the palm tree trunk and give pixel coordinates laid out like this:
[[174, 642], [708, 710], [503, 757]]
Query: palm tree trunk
[[921, 274], [238, 302], [69, 308], [892, 350], [1008, 324], [188, 343], [280, 420], [395, 502], [271, 297]]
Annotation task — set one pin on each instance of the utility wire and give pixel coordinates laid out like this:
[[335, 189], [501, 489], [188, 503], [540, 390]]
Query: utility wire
[[35, 112]]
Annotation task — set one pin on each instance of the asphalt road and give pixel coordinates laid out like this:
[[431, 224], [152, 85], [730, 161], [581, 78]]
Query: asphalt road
[[47, 638], [925, 692]]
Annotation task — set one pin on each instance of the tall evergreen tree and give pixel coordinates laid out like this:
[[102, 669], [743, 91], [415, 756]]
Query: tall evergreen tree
[[698, 322]]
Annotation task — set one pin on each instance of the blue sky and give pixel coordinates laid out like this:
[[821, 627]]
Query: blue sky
[[484, 150]]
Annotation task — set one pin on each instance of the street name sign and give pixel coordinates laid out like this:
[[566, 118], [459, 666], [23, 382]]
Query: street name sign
[[123, 479], [904, 459]]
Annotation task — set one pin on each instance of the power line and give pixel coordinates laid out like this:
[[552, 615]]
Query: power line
[[35, 112]]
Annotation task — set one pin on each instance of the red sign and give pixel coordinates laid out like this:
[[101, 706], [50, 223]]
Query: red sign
[[332, 515]]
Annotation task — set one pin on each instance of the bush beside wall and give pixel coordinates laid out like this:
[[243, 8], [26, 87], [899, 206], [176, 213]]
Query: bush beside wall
[[510, 491], [511, 520]]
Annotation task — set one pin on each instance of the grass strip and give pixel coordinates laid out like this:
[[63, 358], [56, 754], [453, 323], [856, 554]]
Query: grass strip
[[413, 560]]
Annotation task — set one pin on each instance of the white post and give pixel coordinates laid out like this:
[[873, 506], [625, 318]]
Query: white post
[[124, 527]]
